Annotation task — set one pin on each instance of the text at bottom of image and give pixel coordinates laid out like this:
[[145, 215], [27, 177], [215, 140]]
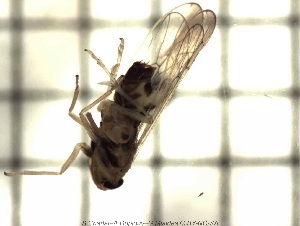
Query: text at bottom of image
[[149, 223]]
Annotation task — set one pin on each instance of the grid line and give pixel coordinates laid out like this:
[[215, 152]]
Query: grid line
[[16, 108], [295, 161]]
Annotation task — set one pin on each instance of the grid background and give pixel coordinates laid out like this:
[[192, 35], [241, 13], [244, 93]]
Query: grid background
[[231, 130]]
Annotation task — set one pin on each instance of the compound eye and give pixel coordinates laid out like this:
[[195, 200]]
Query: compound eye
[[109, 185]]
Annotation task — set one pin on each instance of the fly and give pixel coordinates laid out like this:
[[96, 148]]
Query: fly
[[139, 96]]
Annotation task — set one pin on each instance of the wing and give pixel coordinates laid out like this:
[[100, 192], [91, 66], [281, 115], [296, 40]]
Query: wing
[[172, 46]]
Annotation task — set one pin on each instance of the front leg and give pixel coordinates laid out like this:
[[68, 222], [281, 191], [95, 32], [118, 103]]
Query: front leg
[[114, 70]]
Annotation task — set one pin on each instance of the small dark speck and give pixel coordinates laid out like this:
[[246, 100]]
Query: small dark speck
[[200, 194]]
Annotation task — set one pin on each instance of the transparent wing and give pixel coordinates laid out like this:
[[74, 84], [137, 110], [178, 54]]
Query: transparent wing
[[172, 46]]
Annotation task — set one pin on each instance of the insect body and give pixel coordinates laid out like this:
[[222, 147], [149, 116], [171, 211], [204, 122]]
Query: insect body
[[139, 96], [115, 145]]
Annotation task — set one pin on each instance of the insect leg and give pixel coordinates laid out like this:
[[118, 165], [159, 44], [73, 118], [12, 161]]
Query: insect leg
[[74, 100], [92, 123], [87, 121], [114, 70], [134, 114], [82, 119], [78, 147], [140, 114], [95, 102], [99, 62]]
